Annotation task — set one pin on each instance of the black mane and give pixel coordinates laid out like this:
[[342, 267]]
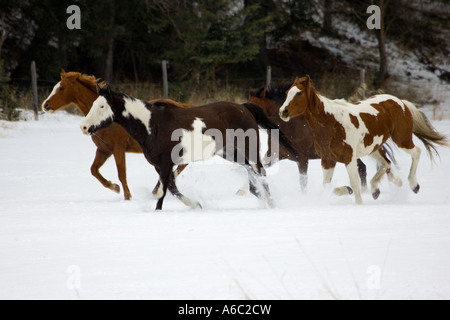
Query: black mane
[[278, 93]]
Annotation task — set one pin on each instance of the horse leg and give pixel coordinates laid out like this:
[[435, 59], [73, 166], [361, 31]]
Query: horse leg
[[328, 167], [177, 172], [383, 167], [120, 158], [164, 179], [303, 169], [352, 170], [100, 159], [362, 170], [328, 172], [415, 153], [174, 190], [257, 174], [391, 176]]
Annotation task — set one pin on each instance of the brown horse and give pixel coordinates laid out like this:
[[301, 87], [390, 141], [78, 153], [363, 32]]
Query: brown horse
[[344, 132], [81, 90], [297, 131], [171, 136]]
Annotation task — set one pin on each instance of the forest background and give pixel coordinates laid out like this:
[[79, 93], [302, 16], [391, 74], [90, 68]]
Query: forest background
[[218, 49]]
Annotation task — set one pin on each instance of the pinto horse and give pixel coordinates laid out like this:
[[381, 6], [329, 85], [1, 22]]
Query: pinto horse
[[297, 131], [344, 132], [204, 131], [81, 90]]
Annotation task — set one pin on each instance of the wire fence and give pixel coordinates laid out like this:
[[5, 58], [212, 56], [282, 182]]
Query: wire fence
[[434, 95]]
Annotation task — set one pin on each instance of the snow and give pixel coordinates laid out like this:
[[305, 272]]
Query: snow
[[63, 236]]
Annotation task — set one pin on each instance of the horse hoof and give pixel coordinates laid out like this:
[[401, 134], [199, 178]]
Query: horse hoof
[[127, 197], [376, 194], [416, 189], [241, 193], [343, 191], [115, 188]]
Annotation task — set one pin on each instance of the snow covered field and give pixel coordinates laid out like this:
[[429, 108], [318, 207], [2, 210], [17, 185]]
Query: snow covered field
[[63, 236]]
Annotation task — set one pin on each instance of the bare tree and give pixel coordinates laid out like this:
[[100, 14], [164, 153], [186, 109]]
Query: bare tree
[[328, 15], [381, 37], [4, 32]]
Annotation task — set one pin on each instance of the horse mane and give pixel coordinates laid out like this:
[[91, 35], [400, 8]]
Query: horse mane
[[88, 81], [278, 93], [91, 81]]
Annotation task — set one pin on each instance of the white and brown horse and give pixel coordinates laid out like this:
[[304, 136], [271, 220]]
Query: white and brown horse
[[344, 132]]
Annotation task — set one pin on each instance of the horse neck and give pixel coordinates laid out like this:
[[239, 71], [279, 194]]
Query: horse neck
[[85, 97], [132, 124], [272, 108], [315, 111]]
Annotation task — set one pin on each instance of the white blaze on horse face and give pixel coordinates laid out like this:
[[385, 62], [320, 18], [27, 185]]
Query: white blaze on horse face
[[138, 110], [55, 88], [100, 112], [290, 96]]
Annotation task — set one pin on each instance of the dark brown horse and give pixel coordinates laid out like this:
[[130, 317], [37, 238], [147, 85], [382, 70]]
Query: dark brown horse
[[81, 90], [297, 131], [170, 136]]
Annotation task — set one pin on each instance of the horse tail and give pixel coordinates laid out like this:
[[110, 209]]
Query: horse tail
[[425, 131], [389, 151], [266, 123]]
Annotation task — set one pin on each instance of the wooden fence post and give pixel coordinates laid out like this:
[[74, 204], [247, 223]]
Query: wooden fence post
[[35, 90], [268, 76], [165, 79], [362, 84]]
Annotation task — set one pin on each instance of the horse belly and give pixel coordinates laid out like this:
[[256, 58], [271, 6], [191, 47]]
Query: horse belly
[[197, 148], [194, 145], [369, 145]]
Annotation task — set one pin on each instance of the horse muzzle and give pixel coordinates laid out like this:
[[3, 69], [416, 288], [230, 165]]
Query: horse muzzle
[[284, 114], [88, 130], [47, 109]]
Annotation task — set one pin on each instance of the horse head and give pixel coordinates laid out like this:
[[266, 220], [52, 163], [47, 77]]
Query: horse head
[[297, 99], [102, 113], [74, 88], [62, 94]]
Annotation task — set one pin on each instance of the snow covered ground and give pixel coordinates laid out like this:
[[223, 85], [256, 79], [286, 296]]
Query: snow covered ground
[[63, 236]]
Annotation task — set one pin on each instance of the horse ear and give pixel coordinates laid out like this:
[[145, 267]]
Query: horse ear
[[308, 79], [63, 72], [98, 88], [264, 93]]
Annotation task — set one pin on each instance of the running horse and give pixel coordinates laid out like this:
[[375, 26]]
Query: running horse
[[298, 133], [81, 90], [344, 132], [202, 131]]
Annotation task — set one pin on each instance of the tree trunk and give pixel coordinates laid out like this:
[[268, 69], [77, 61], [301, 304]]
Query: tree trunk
[[109, 62], [4, 33], [328, 16], [381, 37]]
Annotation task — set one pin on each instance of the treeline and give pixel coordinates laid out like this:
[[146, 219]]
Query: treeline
[[203, 39]]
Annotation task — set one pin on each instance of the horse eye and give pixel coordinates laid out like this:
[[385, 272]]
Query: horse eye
[[61, 88], [102, 107], [300, 94]]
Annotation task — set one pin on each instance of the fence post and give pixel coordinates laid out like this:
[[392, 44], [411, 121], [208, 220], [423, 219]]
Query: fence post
[[268, 76], [165, 79], [35, 90], [362, 84]]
